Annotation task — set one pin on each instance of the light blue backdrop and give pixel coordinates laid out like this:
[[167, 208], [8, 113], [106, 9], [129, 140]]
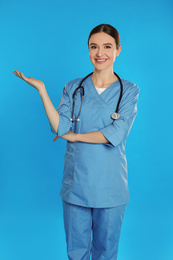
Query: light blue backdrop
[[48, 40]]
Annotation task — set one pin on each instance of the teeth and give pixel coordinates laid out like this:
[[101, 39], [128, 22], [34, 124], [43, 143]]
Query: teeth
[[101, 60]]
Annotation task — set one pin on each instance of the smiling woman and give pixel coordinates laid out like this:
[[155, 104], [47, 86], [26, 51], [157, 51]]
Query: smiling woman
[[95, 184], [102, 50], [104, 47]]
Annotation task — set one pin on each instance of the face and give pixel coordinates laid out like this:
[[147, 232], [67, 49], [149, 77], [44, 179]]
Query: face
[[102, 51]]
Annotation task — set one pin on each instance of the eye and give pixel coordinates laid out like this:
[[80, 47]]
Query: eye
[[93, 47], [107, 47]]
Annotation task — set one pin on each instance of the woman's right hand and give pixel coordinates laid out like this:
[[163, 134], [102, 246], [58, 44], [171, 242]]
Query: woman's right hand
[[36, 83], [51, 112]]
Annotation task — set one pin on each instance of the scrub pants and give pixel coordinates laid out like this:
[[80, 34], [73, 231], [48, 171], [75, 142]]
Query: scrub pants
[[92, 230]]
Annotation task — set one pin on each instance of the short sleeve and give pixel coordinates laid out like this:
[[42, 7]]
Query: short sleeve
[[118, 131], [64, 110]]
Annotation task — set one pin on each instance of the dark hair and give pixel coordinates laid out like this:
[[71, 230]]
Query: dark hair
[[109, 29]]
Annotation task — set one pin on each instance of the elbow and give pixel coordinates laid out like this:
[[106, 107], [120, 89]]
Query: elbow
[[54, 129], [64, 126]]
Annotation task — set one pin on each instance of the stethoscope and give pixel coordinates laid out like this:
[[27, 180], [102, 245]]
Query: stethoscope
[[114, 115]]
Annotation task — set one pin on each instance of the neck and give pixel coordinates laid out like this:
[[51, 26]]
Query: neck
[[103, 78]]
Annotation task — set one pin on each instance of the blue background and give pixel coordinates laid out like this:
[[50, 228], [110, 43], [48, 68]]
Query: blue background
[[48, 40]]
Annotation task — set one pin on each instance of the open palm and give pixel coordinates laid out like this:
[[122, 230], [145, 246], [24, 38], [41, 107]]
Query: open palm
[[36, 83]]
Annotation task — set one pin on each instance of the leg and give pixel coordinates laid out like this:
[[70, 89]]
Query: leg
[[107, 225], [77, 224]]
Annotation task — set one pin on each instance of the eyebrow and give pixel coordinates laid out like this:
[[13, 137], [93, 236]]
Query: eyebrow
[[103, 44]]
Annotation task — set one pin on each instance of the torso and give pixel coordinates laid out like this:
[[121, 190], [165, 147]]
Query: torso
[[95, 175]]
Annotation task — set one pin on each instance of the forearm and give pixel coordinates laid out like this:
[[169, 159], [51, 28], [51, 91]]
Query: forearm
[[92, 137], [50, 110]]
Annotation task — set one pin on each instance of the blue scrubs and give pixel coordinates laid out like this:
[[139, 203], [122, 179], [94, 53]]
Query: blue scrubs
[[104, 223], [95, 175]]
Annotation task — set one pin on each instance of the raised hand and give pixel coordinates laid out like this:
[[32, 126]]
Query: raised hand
[[50, 110], [36, 83]]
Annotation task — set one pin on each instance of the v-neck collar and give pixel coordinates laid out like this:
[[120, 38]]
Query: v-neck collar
[[110, 86], [99, 97], [92, 86]]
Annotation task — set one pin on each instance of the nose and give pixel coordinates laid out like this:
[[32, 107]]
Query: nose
[[99, 52]]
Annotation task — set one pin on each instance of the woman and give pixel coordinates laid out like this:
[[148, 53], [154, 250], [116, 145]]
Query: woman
[[94, 187]]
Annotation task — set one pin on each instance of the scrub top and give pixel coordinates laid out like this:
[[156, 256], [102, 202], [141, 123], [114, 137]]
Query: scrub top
[[95, 175]]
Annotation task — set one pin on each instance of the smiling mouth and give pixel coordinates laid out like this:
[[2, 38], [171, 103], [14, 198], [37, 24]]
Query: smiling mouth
[[100, 61]]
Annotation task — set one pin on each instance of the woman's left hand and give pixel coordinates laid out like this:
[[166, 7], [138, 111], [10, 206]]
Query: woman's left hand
[[70, 136]]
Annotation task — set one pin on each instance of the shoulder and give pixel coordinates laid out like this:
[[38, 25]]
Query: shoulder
[[72, 85], [129, 87]]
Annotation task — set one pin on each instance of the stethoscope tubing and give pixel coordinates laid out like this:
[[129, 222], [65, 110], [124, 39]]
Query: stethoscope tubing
[[121, 92], [114, 115]]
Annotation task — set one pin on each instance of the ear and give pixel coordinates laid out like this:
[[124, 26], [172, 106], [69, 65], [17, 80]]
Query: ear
[[118, 51]]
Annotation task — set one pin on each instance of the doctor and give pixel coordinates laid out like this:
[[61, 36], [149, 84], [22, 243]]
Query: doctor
[[95, 182]]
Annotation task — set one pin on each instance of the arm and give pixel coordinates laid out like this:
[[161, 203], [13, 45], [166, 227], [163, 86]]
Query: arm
[[92, 137], [118, 131], [50, 110]]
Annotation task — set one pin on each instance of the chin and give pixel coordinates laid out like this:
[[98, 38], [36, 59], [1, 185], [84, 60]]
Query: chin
[[103, 68]]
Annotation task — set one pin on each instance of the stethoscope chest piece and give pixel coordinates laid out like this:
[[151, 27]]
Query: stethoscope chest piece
[[115, 115]]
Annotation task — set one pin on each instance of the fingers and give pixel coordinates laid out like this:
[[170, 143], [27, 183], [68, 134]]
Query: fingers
[[55, 138], [17, 73], [20, 75]]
